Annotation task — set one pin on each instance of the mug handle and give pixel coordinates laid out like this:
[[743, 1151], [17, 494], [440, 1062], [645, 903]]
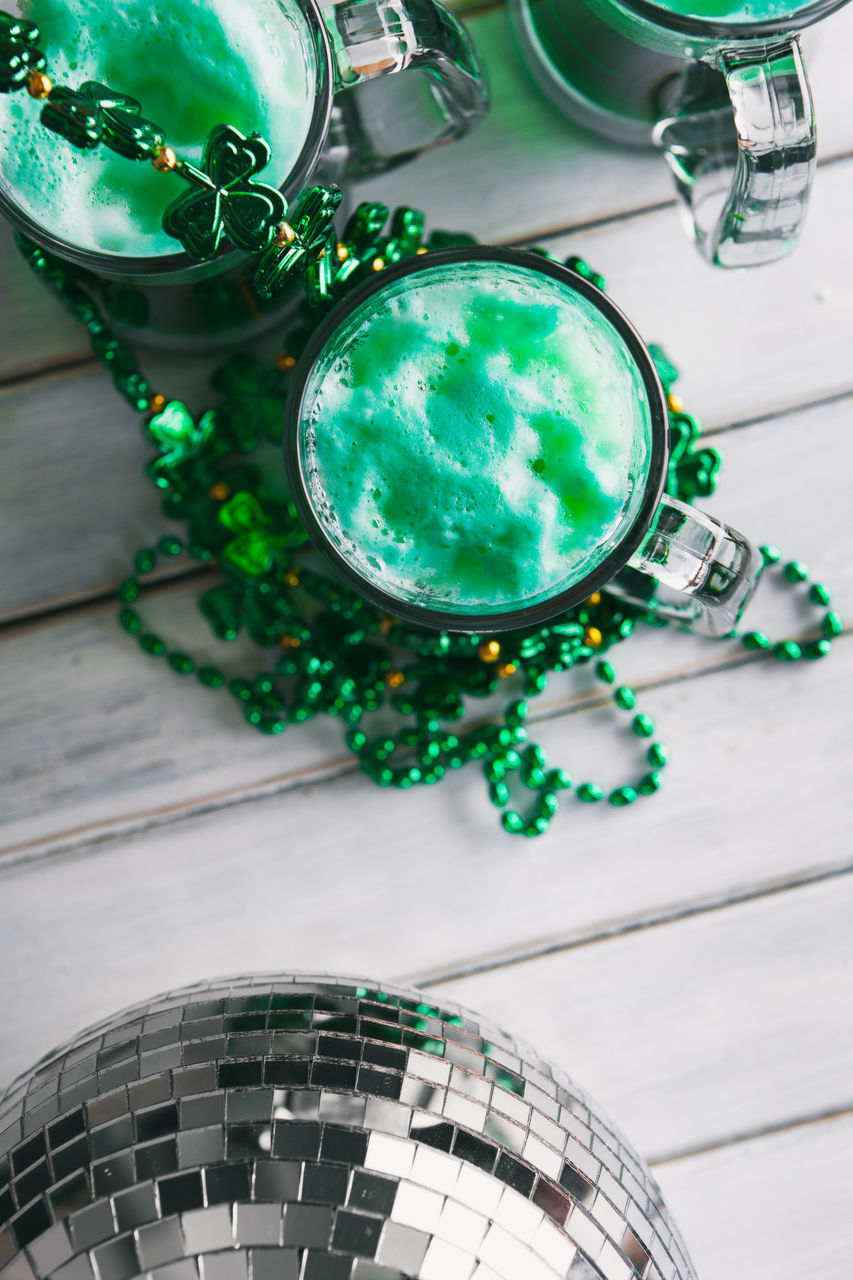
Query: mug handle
[[372, 38], [691, 569], [771, 148]]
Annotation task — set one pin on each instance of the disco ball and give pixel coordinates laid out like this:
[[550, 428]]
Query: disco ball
[[317, 1128]]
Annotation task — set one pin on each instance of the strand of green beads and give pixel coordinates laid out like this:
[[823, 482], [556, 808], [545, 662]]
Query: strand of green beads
[[831, 625], [115, 355], [149, 642]]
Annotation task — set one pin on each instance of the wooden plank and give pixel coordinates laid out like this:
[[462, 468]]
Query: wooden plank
[[81, 765], [778, 1206], [73, 456], [524, 172], [338, 876]]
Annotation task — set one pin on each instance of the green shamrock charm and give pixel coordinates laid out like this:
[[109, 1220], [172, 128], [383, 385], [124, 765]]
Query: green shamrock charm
[[310, 227], [179, 438], [224, 202], [19, 55], [94, 113], [257, 545]]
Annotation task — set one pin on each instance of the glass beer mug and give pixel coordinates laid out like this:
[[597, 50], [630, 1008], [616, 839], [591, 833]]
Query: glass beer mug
[[477, 439], [293, 71], [719, 85]]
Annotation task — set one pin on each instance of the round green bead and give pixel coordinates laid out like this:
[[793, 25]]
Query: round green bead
[[181, 663], [817, 649], [240, 689], [650, 783], [272, 727], [657, 755], [558, 780], [787, 651], [622, 796], [625, 698], [796, 571], [512, 822], [152, 645], [643, 725], [130, 621], [605, 672], [516, 712], [770, 554], [547, 805], [819, 594], [211, 677], [129, 590], [356, 740], [756, 640], [589, 793], [499, 794], [145, 560], [536, 827], [170, 546], [832, 625]]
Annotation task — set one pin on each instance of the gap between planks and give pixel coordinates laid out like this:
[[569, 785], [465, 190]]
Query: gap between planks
[[795, 1125], [623, 927]]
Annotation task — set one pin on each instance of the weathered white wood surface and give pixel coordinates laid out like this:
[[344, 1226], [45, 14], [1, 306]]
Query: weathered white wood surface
[[70, 782], [688, 959]]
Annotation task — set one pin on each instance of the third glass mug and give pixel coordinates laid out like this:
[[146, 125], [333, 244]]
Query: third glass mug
[[720, 85], [478, 440], [293, 70]]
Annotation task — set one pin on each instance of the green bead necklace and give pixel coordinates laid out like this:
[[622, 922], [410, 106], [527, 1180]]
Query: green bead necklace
[[337, 654]]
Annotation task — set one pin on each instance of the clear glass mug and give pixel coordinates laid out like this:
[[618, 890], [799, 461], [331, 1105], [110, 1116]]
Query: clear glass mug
[[719, 85], [477, 440], [294, 70]]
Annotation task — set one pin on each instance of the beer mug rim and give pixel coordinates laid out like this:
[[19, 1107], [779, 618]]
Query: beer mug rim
[[718, 30], [175, 268], [560, 600]]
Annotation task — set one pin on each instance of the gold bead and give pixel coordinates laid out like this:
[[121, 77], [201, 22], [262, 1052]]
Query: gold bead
[[592, 636], [39, 85], [506, 669], [394, 679], [422, 249], [386, 623], [342, 252], [284, 235], [489, 651], [219, 491], [290, 642], [378, 264], [164, 160], [157, 403], [674, 403], [595, 598], [292, 578], [284, 361]]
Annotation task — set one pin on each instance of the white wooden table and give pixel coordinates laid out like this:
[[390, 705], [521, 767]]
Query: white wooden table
[[689, 959]]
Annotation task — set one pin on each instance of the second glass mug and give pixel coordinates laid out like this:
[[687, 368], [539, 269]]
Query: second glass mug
[[477, 440], [719, 85], [305, 72]]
